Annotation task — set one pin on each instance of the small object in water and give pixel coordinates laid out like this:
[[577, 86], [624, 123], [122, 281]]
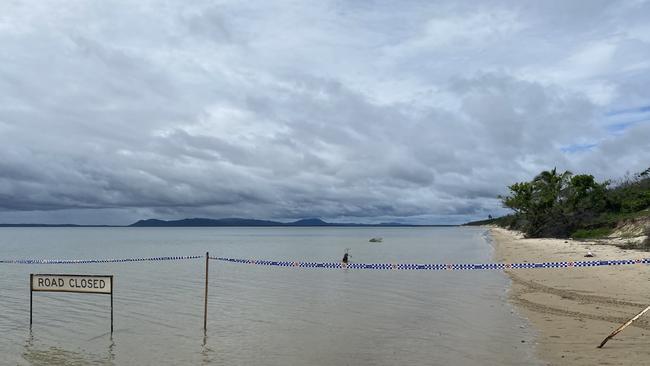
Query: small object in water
[[345, 257], [589, 254], [376, 240]]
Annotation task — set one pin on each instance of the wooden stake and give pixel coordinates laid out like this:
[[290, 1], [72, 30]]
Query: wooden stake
[[619, 329], [205, 303]]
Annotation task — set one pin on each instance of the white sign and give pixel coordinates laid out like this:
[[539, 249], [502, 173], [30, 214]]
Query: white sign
[[72, 283]]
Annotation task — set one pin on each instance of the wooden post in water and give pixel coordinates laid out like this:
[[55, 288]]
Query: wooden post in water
[[205, 303], [619, 329]]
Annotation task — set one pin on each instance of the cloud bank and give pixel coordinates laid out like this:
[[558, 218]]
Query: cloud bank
[[415, 111]]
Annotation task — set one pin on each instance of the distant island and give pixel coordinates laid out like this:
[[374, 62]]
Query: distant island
[[238, 222], [231, 222]]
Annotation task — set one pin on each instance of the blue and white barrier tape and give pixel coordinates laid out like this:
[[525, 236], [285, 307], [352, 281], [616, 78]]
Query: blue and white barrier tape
[[84, 261], [436, 267], [333, 265]]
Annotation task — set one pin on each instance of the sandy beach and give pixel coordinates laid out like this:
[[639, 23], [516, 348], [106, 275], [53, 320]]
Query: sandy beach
[[573, 310]]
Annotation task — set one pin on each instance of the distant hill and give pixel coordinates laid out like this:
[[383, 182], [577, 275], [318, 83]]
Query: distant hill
[[227, 222], [198, 222], [237, 222], [310, 222]]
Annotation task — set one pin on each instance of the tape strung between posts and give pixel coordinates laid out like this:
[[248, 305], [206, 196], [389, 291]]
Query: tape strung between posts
[[85, 261], [436, 267], [335, 265]]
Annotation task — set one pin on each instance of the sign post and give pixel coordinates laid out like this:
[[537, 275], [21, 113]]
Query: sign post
[[31, 291], [87, 284]]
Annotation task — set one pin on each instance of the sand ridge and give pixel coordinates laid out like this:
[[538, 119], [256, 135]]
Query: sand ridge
[[574, 309]]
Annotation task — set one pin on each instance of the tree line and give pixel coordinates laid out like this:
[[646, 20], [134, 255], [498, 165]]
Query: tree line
[[557, 204]]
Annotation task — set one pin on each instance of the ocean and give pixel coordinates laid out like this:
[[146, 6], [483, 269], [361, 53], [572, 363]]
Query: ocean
[[257, 314]]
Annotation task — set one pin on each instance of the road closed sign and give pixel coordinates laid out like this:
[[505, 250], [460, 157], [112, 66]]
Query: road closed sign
[[72, 283], [88, 284]]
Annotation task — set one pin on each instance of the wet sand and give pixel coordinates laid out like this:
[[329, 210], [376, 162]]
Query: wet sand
[[573, 310]]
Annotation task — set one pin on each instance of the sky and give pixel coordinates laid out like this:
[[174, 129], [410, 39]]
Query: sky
[[352, 111]]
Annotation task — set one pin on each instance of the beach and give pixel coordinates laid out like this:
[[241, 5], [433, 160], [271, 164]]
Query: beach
[[574, 309]]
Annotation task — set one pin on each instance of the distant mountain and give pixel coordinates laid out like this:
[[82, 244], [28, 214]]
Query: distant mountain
[[228, 222], [310, 222], [198, 222], [203, 222], [237, 222]]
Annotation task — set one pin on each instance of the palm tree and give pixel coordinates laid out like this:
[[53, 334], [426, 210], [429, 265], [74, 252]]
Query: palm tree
[[550, 186]]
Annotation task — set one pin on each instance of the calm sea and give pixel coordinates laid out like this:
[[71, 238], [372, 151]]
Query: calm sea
[[260, 315]]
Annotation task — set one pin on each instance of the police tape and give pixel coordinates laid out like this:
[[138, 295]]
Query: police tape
[[335, 265], [87, 261], [436, 267]]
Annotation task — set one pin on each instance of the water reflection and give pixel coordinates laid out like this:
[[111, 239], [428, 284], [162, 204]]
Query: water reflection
[[207, 354], [37, 353], [260, 315]]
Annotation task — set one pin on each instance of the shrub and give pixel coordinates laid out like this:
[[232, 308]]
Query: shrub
[[556, 204], [591, 233]]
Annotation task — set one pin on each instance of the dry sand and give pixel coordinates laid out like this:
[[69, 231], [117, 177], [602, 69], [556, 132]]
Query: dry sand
[[574, 309]]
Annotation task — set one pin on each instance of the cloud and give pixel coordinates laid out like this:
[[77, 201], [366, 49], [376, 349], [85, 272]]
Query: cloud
[[413, 112]]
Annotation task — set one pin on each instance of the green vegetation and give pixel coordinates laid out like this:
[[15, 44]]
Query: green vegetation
[[560, 205], [600, 232]]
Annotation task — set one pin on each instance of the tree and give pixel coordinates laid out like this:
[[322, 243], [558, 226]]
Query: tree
[[540, 203], [550, 187], [556, 204], [520, 199]]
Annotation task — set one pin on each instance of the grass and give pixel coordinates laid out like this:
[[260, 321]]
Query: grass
[[615, 217], [596, 233], [604, 225], [599, 228]]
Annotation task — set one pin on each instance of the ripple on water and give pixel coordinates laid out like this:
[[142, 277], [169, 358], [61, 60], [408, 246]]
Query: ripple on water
[[262, 315]]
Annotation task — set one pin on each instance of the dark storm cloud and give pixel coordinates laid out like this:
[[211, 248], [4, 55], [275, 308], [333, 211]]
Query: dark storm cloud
[[413, 111]]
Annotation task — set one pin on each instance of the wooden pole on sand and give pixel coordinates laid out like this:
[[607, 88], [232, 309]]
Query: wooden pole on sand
[[619, 329]]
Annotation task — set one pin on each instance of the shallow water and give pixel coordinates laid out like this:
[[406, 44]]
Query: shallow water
[[260, 315]]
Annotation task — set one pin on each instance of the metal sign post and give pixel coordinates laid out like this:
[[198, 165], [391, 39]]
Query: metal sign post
[[112, 283], [87, 284], [31, 291]]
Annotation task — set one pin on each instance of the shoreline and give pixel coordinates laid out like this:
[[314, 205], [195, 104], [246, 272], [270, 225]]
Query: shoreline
[[573, 310]]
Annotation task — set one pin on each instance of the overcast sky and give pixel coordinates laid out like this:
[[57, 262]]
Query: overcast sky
[[364, 111]]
